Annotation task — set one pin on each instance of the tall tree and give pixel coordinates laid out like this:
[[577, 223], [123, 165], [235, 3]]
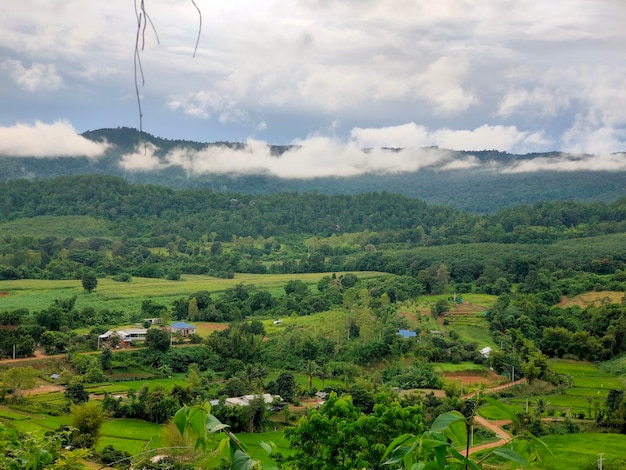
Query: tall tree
[[89, 281]]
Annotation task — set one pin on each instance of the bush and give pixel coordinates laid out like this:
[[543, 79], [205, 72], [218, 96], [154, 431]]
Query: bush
[[123, 277], [111, 456]]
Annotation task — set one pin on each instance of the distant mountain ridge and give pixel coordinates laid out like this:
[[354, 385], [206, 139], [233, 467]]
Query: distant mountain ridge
[[466, 189]]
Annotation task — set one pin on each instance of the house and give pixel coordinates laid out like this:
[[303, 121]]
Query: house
[[407, 334], [126, 336], [185, 328], [246, 399], [485, 352]]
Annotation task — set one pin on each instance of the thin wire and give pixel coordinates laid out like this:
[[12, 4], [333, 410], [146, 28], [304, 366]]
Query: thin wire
[[199, 27], [143, 19]]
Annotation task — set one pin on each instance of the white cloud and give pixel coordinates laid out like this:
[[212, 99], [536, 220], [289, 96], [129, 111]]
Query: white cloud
[[517, 72], [310, 158], [203, 104], [441, 84], [318, 156], [47, 140], [36, 78], [567, 162], [142, 159], [503, 138]]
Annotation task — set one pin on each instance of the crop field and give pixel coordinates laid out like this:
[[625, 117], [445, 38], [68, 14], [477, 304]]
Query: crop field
[[467, 319], [37, 294], [75, 226], [590, 384], [581, 451]]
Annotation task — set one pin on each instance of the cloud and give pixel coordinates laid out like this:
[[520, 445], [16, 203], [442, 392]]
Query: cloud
[[142, 159], [203, 104], [390, 150], [441, 84], [47, 140], [568, 162], [530, 75], [36, 78], [502, 138], [314, 157]]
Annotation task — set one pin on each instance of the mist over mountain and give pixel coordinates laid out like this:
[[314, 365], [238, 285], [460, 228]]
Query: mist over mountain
[[476, 181]]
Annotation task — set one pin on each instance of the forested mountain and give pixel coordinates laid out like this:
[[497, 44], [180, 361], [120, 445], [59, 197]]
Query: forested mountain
[[289, 232], [469, 189]]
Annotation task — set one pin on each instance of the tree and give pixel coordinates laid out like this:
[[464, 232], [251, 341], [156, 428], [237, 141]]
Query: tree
[[106, 359], [87, 419], [339, 435], [158, 340], [89, 280], [198, 421], [75, 393], [441, 307], [442, 277], [438, 447], [28, 451]]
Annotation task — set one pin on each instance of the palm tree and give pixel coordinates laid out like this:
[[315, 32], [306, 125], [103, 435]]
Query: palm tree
[[324, 372], [310, 368]]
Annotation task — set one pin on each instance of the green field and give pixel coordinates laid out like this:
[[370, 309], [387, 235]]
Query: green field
[[75, 226], [581, 451], [37, 294], [590, 384]]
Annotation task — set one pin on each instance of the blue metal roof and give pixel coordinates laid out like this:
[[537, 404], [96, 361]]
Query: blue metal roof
[[407, 333], [181, 325]]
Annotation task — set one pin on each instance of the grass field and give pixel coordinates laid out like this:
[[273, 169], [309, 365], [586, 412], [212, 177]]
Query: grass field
[[75, 226], [581, 451], [594, 298], [37, 294], [590, 384]]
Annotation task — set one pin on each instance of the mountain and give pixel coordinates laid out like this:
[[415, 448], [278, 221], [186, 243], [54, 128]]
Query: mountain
[[481, 187]]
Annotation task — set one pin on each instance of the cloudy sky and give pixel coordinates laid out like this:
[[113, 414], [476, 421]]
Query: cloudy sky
[[519, 76]]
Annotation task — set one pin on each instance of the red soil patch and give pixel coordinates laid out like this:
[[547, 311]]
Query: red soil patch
[[4, 293], [44, 389], [472, 377], [467, 308]]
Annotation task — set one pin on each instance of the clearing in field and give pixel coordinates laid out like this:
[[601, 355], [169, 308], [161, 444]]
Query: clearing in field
[[593, 298]]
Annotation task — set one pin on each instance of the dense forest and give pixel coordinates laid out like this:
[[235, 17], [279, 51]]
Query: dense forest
[[526, 258], [294, 233], [474, 190]]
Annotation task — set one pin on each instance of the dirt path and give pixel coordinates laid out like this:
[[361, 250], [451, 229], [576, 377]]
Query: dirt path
[[494, 426], [497, 388]]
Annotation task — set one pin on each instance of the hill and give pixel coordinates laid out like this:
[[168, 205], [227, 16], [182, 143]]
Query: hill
[[472, 188]]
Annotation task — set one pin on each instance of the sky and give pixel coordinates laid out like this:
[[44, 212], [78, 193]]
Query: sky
[[332, 77]]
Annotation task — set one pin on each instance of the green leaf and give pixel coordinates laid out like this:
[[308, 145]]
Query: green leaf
[[223, 448], [200, 442], [511, 455], [196, 419], [539, 444], [453, 425], [398, 455], [469, 463], [213, 424], [394, 444], [180, 420], [268, 447], [242, 461], [507, 412]]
